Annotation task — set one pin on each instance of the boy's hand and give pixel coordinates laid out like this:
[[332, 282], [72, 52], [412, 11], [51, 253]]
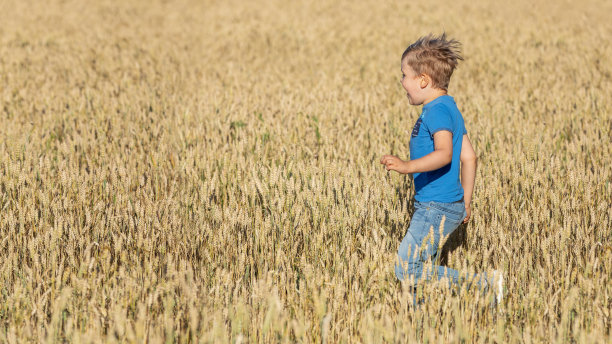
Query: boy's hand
[[468, 210], [393, 163]]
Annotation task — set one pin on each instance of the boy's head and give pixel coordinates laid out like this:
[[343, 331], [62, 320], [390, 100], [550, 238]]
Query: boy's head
[[429, 62]]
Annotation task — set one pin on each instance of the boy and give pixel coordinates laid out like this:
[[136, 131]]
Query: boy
[[439, 150]]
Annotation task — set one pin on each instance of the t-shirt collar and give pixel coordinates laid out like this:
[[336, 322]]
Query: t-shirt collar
[[436, 101]]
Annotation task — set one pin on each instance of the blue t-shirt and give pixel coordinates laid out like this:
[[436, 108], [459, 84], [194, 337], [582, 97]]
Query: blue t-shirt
[[443, 184]]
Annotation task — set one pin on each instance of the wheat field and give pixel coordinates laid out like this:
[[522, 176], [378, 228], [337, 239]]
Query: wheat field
[[207, 171]]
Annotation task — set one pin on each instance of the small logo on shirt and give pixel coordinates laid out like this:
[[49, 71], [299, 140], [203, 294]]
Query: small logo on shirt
[[417, 126]]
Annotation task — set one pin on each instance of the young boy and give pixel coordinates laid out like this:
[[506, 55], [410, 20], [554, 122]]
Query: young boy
[[438, 144]]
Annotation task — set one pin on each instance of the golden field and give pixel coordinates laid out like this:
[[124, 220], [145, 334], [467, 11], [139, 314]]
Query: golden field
[[208, 171]]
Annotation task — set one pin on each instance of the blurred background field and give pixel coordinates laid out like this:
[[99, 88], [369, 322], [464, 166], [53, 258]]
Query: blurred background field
[[207, 171]]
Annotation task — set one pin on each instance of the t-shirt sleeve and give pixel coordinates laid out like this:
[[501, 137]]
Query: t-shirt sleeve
[[437, 119]]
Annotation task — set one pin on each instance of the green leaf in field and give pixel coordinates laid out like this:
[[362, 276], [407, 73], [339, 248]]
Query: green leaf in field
[[237, 124]]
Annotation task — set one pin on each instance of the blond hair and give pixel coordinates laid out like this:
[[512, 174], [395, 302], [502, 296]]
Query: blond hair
[[435, 56]]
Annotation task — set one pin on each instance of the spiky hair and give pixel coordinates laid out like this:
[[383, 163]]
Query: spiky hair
[[435, 56]]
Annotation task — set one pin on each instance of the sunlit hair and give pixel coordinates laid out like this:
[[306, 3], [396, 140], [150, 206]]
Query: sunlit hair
[[435, 56]]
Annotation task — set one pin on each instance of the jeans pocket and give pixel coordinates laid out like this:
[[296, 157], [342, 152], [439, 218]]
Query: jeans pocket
[[453, 211]]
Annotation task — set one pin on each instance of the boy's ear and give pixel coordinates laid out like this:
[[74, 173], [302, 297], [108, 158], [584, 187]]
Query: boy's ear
[[425, 80]]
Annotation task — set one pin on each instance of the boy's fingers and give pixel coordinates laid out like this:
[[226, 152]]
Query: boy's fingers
[[389, 161]]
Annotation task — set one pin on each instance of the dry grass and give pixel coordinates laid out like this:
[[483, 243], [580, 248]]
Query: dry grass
[[208, 171]]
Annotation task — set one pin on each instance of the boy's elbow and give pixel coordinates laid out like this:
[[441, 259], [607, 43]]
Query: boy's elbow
[[470, 159], [448, 157]]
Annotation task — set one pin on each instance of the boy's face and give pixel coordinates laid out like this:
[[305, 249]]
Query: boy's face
[[413, 84]]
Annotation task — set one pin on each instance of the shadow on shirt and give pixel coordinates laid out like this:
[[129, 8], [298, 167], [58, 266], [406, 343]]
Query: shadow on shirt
[[431, 176]]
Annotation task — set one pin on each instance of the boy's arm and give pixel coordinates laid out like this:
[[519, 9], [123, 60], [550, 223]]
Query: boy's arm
[[468, 174], [440, 157]]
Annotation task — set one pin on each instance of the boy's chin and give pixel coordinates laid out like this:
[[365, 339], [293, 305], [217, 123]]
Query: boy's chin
[[412, 102]]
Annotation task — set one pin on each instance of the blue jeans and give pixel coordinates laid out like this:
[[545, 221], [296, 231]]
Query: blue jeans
[[421, 243]]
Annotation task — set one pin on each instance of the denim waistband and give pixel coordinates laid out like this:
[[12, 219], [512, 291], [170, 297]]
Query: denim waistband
[[457, 208], [434, 202]]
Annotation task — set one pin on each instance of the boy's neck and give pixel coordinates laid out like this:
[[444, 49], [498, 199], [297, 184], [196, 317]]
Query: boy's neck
[[435, 93]]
